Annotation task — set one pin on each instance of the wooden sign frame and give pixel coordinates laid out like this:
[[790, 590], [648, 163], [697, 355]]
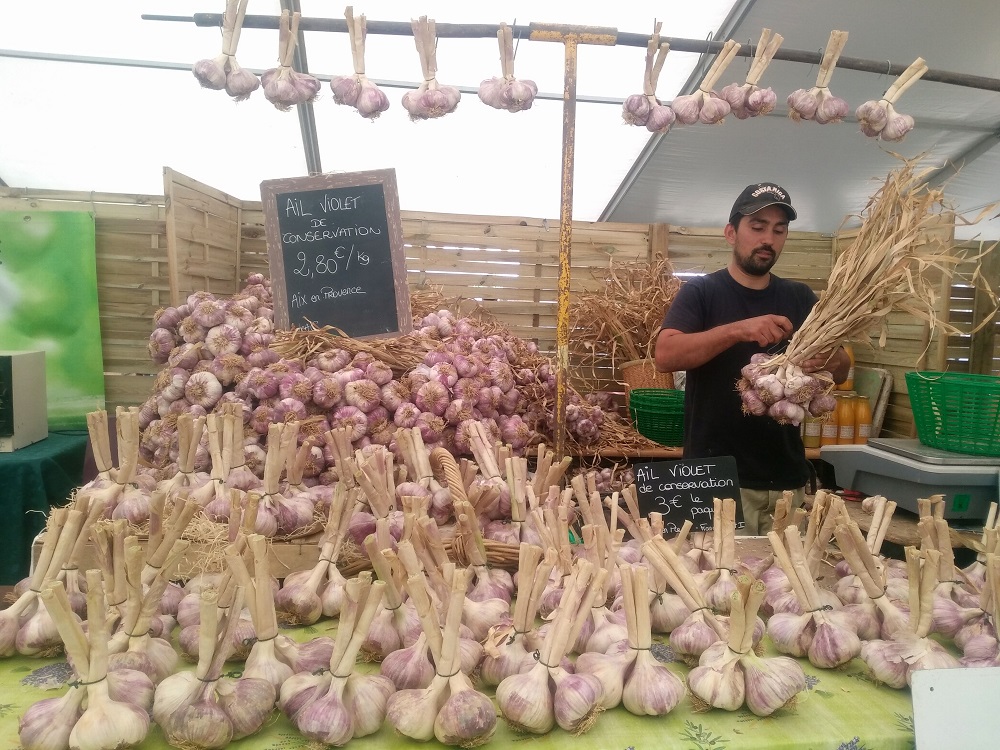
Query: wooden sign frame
[[337, 184]]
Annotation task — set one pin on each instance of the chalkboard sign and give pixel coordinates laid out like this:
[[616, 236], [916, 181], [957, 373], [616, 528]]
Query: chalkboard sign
[[684, 490], [335, 249]]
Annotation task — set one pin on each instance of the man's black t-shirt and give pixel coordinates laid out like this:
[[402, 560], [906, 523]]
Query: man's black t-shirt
[[768, 455]]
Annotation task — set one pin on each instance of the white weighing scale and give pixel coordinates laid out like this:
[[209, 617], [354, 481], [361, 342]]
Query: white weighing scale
[[904, 470]]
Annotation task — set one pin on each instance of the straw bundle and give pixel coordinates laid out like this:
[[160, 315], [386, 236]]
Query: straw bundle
[[893, 264], [621, 319]]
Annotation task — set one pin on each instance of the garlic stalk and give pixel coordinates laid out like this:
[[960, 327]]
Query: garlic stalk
[[263, 660], [705, 105], [980, 644], [301, 599], [879, 119], [749, 100], [431, 99], [26, 626], [204, 709], [649, 688], [132, 647], [871, 572], [717, 583], [701, 628], [817, 103], [975, 572], [850, 588]]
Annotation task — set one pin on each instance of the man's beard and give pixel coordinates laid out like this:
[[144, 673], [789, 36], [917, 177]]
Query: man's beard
[[757, 265]]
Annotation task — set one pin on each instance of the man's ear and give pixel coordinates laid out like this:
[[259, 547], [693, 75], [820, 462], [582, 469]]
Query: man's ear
[[730, 233]]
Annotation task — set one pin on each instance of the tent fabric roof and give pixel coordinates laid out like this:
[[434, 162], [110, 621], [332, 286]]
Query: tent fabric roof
[[692, 174], [112, 127]]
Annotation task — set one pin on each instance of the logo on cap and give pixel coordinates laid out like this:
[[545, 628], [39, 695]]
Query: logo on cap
[[774, 189]]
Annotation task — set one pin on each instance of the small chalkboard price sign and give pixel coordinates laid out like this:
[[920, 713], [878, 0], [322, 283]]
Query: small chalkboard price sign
[[684, 490], [335, 250]]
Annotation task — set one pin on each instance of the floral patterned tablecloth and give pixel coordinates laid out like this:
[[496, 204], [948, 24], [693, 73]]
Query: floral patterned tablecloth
[[843, 709]]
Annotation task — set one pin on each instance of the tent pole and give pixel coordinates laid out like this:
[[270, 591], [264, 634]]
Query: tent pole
[[570, 37]]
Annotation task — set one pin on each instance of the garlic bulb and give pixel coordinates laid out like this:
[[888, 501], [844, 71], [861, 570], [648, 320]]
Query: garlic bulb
[[651, 689], [48, 723]]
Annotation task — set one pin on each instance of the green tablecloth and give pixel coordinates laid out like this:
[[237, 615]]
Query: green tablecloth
[[842, 710], [32, 480]]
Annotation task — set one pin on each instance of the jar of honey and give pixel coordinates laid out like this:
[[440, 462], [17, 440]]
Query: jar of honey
[[812, 429], [845, 418], [828, 429]]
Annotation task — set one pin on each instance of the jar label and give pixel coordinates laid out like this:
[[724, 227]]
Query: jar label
[[846, 432], [829, 430], [864, 430]]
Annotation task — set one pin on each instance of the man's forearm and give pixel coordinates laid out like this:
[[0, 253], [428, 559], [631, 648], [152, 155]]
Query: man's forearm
[[685, 351]]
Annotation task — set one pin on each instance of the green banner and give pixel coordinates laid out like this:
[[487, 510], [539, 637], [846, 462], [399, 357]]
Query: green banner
[[48, 302]]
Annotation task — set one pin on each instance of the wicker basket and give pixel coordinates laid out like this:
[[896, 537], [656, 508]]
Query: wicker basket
[[642, 373]]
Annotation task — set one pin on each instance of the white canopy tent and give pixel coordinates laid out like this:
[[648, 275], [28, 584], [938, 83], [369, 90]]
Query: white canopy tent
[[97, 98]]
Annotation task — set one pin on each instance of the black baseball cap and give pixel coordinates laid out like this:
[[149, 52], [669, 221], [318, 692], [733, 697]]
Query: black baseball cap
[[760, 195]]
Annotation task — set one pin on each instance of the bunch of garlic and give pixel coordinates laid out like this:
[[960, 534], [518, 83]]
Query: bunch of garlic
[[507, 92], [730, 674], [628, 671], [645, 109], [828, 637], [449, 708], [431, 99], [749, 100], [222, 71], [818, 103], [893, 661], [879, 118], [284, 86], [26, 626], [705, 105], [49, 724], [506, 647], [334, 705], [357, 90], [303, 594], [547, 694], [204, 708]]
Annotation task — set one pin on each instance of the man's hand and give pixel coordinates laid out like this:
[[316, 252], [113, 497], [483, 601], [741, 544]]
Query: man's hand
[[765, 329], [835, 361]]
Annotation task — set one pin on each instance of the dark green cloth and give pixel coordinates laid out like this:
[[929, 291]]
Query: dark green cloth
[[32, 480]]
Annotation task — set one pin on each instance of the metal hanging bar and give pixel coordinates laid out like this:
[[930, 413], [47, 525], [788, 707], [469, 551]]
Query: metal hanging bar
[[626, 39]]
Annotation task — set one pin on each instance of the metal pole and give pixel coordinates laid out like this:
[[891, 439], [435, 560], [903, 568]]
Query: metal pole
[[627, 39], [570, 37]]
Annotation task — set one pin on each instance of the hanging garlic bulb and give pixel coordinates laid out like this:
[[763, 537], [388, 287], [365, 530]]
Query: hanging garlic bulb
[[818, 103], [645, 109], [357, 90], [285, 87], [507, 92], [748, 99], [705, 105], [431, 99], [879, 119]]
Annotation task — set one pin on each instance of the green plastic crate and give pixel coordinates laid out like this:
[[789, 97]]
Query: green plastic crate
[[658, 413], [956, 412]]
